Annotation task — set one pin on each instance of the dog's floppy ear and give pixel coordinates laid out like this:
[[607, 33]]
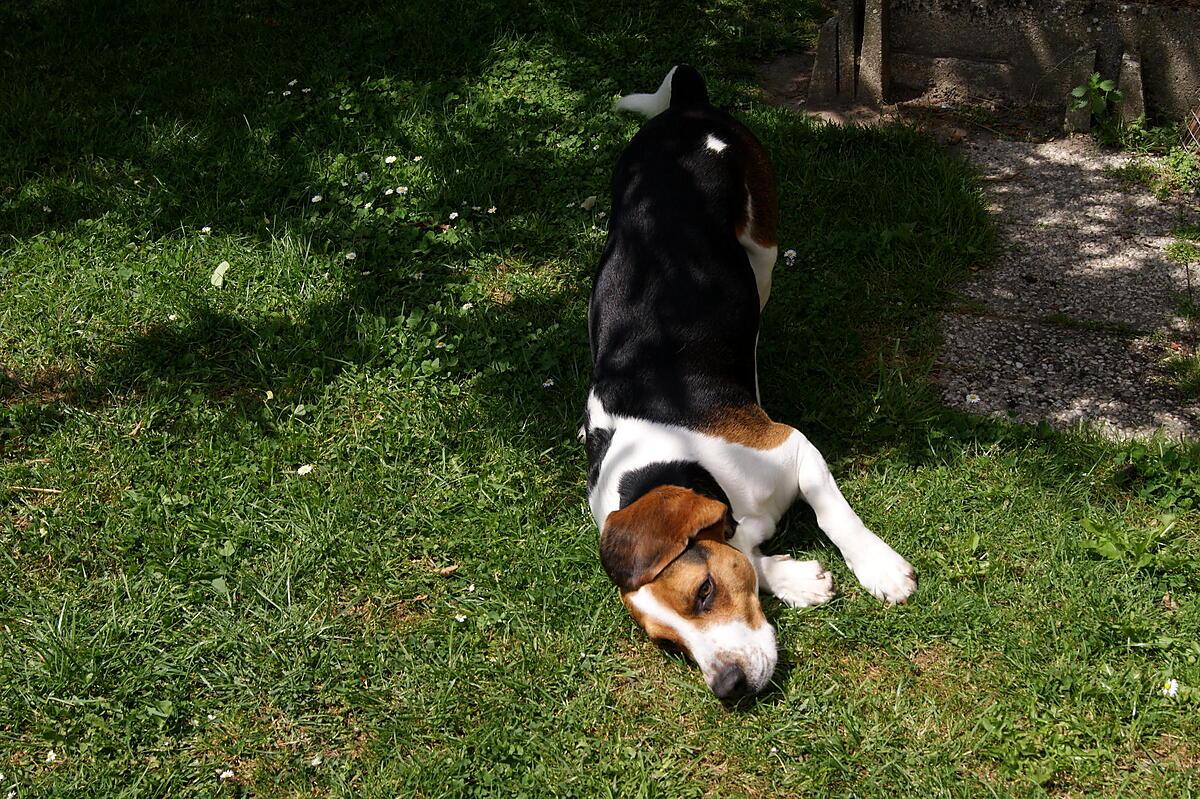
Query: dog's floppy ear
[[641, 539]]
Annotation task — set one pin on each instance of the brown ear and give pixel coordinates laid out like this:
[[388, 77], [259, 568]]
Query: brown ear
[[641, 539]]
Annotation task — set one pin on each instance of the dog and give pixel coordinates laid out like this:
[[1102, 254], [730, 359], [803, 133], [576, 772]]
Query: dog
[[687, 475]]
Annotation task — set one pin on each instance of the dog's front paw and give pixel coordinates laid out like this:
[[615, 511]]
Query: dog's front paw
[[889, 577], [798, 583]]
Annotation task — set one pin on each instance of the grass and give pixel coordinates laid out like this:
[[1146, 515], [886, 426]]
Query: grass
[[422, 613]]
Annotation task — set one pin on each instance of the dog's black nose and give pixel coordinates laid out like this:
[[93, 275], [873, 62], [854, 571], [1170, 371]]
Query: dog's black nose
[[731, 683]]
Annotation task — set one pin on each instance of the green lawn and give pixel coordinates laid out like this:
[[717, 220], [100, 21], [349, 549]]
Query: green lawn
[[422, 613]]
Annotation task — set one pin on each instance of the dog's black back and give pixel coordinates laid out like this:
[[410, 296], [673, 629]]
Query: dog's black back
[[674, 310]]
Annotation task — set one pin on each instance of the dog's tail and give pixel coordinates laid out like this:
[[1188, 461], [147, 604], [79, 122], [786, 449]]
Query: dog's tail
[[683, 87]]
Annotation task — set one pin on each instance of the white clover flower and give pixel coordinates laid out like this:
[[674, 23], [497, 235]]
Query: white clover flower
[[287, 93], [389, 192], [316, 761], [306, 91], [391, 159], [362, 177], [206, 230], [367, 206], [293, 81], [1170, 687], [460, 618], [418, 158], [270, 396], [453, 215], [350, 256], [316, 198], [172, 317], [51, 756], [492, 210], [789, 254], [972, 398], [402, 189], [227, 774], [305, 469], [468, 306], [549, 383]]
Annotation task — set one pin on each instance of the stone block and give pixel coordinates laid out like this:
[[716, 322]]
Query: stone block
[[823, 85], [873, 66], [1079, 120], [1133, 100]]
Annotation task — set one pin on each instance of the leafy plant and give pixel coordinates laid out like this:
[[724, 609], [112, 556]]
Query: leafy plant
[[1099, 95], [1138, 549]]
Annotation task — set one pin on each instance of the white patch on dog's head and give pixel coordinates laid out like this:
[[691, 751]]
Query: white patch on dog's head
[[715, 144]]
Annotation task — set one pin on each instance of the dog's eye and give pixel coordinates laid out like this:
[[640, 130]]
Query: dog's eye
[[705, 594]]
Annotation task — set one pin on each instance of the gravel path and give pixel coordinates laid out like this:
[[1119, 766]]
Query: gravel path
[[1074, 318]]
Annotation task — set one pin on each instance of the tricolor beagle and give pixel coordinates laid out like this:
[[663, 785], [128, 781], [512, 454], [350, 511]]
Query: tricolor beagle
[[687, 475]]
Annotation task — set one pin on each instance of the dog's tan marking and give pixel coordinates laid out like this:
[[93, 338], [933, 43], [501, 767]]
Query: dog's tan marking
[[749, 426], [639, 540], [734, 583], [762, 210]]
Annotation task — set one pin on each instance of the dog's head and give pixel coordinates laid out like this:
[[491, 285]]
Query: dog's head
[[688, 588]]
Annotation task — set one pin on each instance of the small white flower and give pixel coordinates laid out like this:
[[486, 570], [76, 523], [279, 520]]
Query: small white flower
[[475, 208], [270, 93], [305, 469], [211, 716], [972, 398], [492, 210], [570, 205], [270, 396], [391, 159], [460, 618], [316, 761], [1170, 687], [419, 276], [402, 189], [468, 306], [172, 317], [453, 215], [368, 206], [316, 198], [46, 208], [51, 756], [306, 91], [418, 158], [206, 230], [227, 774], [549, 383], [350, 256], [774, 750], [600, 215], [588, 202], [362, 177], [471, 588], [389, 192], [789, 254], [287, 93], [293, 81]]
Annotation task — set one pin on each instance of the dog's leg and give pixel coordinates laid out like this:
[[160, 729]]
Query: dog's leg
[[877, 566], [799, 583]]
